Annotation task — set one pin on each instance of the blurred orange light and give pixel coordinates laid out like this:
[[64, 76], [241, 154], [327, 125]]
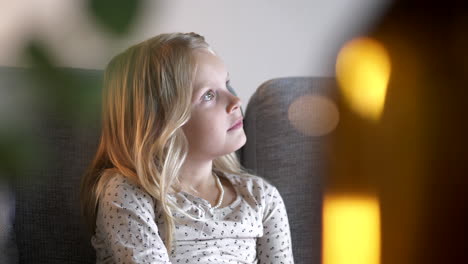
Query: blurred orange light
[[363, 70], [351, 230]]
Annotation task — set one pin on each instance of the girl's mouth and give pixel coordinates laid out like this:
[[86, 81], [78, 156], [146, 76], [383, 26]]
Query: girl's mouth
[[237, 125]]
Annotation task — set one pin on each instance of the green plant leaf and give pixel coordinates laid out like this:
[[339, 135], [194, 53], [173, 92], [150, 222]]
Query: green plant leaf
[[115, 15]]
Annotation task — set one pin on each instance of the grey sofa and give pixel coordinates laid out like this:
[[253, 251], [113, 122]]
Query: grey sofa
[[45, 225]]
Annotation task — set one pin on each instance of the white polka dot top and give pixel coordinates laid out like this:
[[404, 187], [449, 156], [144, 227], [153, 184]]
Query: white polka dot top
[[252, 229]]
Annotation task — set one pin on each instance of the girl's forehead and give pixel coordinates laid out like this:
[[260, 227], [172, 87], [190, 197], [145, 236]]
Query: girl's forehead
[[210, 70]]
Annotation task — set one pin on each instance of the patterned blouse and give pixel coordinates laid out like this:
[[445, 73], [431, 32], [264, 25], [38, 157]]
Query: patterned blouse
[[252, 229]]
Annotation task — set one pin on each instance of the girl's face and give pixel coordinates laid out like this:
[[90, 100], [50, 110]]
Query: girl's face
[[214, 111]]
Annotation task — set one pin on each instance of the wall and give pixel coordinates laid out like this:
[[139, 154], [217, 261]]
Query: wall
[[258, 40]]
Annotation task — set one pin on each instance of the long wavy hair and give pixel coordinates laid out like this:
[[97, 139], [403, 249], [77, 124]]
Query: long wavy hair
[[147, 94]]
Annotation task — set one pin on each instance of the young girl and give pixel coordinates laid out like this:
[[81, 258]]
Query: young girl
[[165, 185]]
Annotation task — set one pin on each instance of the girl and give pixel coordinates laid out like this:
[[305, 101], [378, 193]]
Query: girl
[[165, 185]]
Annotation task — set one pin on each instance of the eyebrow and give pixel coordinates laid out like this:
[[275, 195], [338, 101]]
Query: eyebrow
[[197, 91]]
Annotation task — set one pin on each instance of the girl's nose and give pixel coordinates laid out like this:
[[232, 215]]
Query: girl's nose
[[234, 104]]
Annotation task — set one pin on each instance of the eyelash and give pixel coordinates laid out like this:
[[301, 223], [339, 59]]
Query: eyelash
[[210, 92]]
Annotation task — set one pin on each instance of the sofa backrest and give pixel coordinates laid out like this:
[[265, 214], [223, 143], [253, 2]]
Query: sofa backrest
[[48, 227], [287, 122]]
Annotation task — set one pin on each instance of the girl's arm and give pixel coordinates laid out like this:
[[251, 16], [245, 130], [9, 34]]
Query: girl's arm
[[126, 222], [275, 244]]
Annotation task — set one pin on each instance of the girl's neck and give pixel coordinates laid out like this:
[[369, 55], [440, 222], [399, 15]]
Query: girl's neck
[[197, 176]]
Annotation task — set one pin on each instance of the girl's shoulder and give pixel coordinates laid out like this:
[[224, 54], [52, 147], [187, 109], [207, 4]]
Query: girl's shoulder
[[116, 180], [119, 185]]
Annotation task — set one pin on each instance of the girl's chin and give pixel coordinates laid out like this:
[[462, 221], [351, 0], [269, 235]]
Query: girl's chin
[[241, 143], [230, 151]]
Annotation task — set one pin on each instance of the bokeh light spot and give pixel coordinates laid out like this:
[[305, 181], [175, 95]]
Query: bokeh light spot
[[351, 229], [313, 115], [363, 71]]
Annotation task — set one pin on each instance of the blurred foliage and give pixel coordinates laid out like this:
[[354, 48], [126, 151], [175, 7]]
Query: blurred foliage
[[60, 91], [20, 151], [115, 15]]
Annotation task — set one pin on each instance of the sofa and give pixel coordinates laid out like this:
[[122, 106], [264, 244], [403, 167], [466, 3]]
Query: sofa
[[41, 220]]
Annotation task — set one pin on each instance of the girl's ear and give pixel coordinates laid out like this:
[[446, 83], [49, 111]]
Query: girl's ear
[[231, 90]]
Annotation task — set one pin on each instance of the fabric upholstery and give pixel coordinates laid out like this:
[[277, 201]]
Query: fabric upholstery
[[48, 225], [8, 248], [292, 161]]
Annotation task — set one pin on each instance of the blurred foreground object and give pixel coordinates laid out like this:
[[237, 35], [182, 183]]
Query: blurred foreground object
[[363, 70], [351, 229], [415, 154]]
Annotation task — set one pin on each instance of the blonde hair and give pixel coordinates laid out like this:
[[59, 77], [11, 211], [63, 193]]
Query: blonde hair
[[146, 100]]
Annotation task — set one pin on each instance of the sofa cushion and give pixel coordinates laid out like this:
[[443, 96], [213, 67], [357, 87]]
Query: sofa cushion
[[286, 132], [7, 236]]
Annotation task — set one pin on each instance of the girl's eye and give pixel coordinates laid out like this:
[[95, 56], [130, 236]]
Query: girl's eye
[[208, 96]]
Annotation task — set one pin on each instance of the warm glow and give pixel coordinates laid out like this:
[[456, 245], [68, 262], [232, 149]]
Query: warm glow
[[313, 115], [351, 230], [363, 70]]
